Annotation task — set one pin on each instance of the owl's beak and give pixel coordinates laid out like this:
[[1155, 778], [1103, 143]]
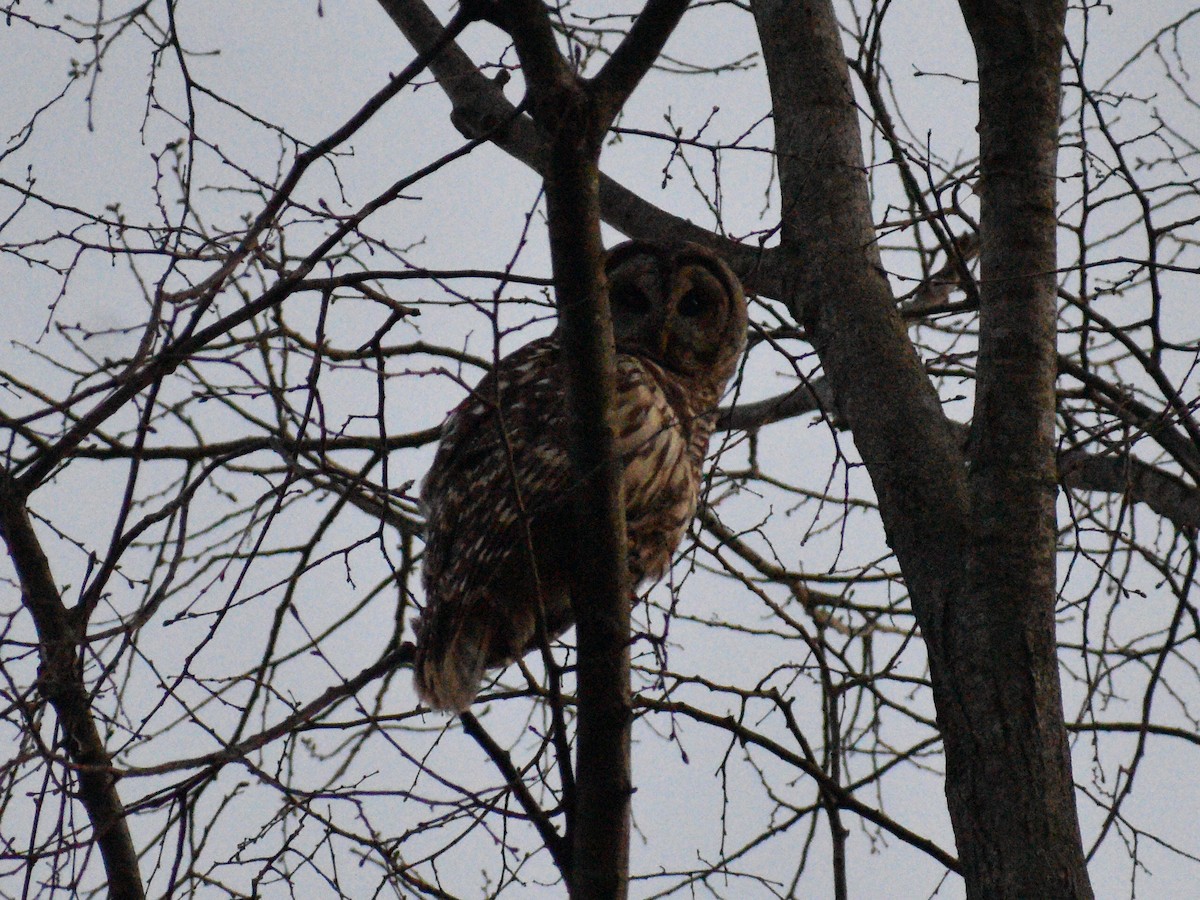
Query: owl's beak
[[664, 335]]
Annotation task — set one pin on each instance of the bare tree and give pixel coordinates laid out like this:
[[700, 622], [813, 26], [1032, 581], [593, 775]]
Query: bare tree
[[948, 538]]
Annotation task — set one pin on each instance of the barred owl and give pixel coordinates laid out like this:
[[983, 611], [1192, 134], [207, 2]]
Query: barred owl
[[497, 498]]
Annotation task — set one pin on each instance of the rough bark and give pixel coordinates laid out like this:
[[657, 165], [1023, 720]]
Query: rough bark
[[598, 826], [977, 547], [1014, 811], [599, 586], [834, 281]]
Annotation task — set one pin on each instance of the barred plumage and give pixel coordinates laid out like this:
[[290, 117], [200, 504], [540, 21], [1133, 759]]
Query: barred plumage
[[496, 498]]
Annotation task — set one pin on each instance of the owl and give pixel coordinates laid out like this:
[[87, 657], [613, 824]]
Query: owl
[[497, 499]]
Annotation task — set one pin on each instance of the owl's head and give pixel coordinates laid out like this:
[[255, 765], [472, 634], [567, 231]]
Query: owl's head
[[679, 305]]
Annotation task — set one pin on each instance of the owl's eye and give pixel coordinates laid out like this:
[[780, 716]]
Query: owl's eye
[[693, 303], [629, 297]]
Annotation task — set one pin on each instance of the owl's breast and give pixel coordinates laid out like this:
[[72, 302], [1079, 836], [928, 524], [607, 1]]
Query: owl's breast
[[661, 478]]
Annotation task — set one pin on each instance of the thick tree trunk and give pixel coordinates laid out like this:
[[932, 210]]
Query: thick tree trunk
[[598, 826], [835, 283], [976, 546], [1014, 811]]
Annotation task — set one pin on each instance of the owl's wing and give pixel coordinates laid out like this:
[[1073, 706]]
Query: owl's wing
[[502, 458], [501, 463], [494, 500]]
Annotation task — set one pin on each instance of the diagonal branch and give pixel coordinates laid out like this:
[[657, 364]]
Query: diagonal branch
[[631, 60], [1168, 495], [480, 107], [812, 396], [560, 851], [60, 681], [843, 797], [183, 347]]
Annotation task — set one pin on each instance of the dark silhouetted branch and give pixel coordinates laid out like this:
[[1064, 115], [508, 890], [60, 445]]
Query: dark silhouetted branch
[[60, 682]]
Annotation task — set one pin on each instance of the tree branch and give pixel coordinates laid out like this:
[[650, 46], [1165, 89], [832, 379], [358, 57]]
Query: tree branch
[[129, 385], [1166, 494], [844, 798], [835, 286], [480, 107], [560, 850], [636, 54], [60, 681], [812, 396]]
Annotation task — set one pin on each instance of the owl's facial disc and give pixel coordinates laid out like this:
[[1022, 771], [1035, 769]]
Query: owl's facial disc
[[677, 305]]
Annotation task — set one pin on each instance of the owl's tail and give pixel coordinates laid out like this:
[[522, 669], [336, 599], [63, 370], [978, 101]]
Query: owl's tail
[[452, 654]]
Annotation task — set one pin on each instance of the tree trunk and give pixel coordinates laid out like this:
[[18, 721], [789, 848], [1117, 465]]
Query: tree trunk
[[576, 114], [599, 584], [1011, 794], [976, 546]]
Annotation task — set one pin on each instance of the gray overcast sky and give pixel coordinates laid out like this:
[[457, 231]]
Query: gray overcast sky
[[286, 64]]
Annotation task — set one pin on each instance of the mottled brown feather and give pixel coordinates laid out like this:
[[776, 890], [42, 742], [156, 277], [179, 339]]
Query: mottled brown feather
[[496, 499]]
